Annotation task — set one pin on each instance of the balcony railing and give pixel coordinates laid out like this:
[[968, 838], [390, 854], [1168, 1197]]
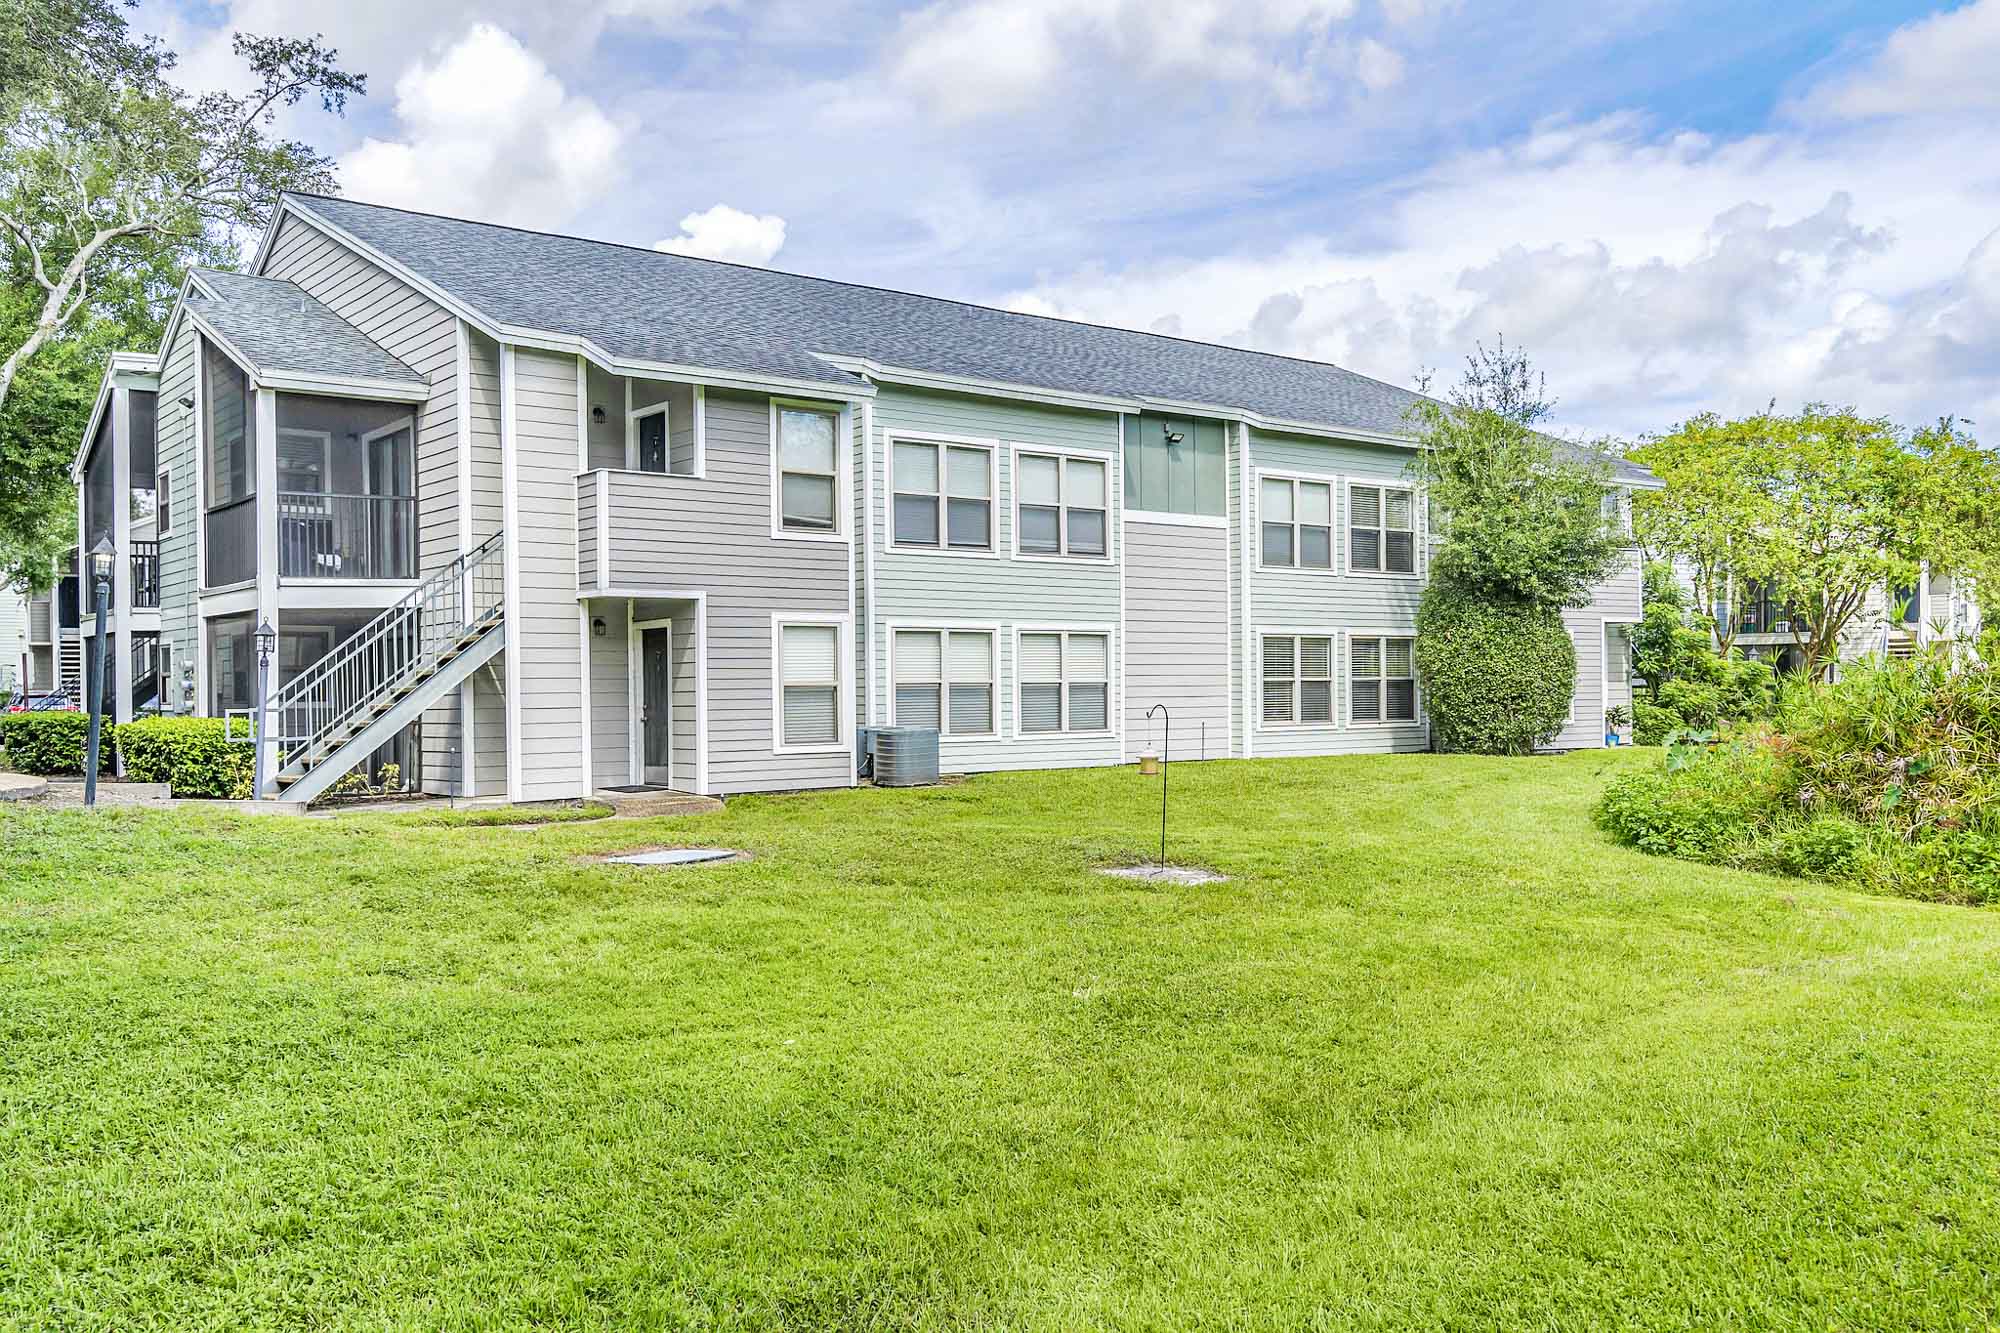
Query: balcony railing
[[145, 574], [324, 536]]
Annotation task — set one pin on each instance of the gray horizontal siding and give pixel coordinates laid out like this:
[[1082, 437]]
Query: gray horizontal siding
[[1616, 599], [545, 644], [917, 588], [610, 695], [1326, 602], [713, 535], [179, 453]]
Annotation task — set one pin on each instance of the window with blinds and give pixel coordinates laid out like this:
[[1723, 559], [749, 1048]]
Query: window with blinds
[[1297, 523], [943, 496], [944, 679], [1062, 505], [1381, 530], [1298, 679], [809, 672], [808, 470], [1065, 682], [1382, 685]]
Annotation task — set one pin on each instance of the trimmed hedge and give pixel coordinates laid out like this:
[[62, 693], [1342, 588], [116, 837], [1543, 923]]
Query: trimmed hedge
[[53, 742], [1497, 677], [189, 754]]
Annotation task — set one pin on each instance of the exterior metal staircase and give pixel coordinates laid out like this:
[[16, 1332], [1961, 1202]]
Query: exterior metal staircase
[[337, 712]]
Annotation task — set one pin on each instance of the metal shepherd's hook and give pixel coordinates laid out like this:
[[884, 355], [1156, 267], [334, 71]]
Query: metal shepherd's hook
[[1166, 748]]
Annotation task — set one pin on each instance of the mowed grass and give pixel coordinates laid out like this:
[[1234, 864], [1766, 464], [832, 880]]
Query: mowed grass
[[1438, 1055]]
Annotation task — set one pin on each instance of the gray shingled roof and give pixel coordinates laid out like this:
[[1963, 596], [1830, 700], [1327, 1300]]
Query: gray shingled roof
[[280, 328], [652, 306]]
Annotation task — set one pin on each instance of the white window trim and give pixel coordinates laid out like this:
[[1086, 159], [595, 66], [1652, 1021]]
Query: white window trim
[[843, 656], [1346, 516], [1336, 547], [633, 416], [163, 480], [994, 631], [367, 462], [891, 439], [1113, 480], [843, 520], [1347, 637], [1113, 696], [1335, 650]]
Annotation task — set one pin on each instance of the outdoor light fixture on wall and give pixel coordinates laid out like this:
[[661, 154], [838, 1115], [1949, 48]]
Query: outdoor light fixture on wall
[[597, 414], [1173, 436], [597, 627]]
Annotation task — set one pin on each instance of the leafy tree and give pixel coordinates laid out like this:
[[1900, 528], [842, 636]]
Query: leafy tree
[[1709, 504], [1516, 514], [1520, 534], [1826, 506], [112, 181]]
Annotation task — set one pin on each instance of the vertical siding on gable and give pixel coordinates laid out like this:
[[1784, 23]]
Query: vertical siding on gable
[[1177, 646], [545, 626], [914, 587], [713, 534]]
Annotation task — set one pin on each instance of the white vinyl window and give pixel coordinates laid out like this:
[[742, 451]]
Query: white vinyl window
[[944, 679], [1061, 505], [1297, 518], [808, 469], [809, 676], [1617, 512], [1065, 681], [163, 504], [943, 495], [1298, 678], [1381, 530], [1382, 685]]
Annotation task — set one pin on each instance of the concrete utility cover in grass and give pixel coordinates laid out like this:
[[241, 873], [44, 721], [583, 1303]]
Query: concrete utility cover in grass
[[675, 856], [1167, 874]]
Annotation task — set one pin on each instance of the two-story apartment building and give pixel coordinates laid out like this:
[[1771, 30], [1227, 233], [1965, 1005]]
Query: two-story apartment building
[[553, 515]]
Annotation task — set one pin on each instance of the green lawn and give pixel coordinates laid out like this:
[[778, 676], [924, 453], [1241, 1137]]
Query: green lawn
[[1439, 1055]]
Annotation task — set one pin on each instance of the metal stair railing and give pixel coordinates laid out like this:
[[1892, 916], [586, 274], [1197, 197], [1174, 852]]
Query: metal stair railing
[[435, 620]]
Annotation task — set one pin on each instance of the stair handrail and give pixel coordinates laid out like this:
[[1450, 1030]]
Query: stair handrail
[[405, 637]]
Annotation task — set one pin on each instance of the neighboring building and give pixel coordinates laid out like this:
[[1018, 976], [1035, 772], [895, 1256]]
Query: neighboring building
[[52, 650], [1891, 623], [13, 641], [536, 516]]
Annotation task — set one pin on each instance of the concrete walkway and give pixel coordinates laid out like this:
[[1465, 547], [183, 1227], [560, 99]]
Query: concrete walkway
[[21, 786]]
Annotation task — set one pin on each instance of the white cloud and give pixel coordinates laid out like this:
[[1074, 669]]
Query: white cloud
[[1947, 63], [967, 58], [1652, 275], [728, 233], [488, 132], [1377, 66]]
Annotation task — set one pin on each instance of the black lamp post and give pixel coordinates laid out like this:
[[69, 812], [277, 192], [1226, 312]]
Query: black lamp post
[[101, 556], [267, 643]]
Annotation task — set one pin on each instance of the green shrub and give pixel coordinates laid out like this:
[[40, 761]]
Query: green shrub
[[1706, 810], [1827, 847], [1888, 779], [189, 754], [1749, 689], [52, 742], [1496, 677], [1697, 704], [1651, 724]]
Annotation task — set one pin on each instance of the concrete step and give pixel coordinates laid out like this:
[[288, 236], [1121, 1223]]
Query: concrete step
[[657, 804]]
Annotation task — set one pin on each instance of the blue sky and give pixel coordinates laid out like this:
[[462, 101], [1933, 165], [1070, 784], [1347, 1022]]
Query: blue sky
[[1673, 207]]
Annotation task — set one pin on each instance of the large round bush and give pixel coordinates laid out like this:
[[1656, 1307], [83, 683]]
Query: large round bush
[[1497, 676]]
